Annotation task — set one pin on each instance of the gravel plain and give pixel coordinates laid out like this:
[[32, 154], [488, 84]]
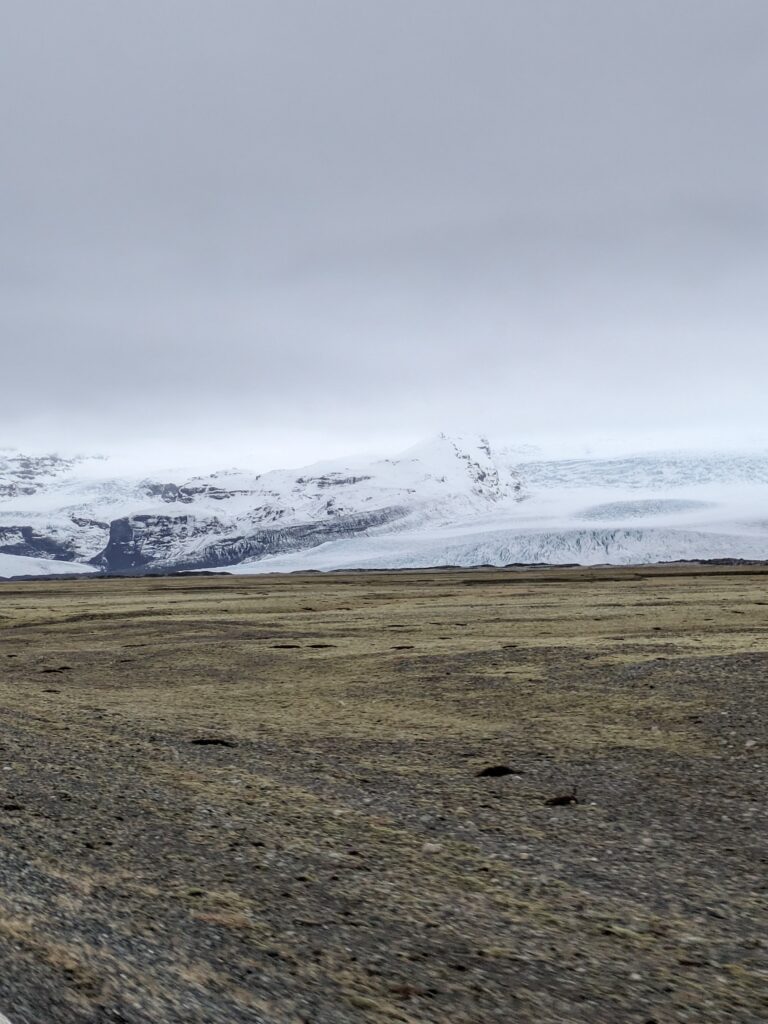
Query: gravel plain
[[229, 800]]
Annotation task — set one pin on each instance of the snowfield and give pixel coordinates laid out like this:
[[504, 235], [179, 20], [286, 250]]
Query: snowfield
[[447, 501]]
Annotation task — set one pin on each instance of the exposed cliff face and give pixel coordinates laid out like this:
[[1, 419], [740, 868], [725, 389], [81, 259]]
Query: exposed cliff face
[[26, 541], [187, 493], [71, 539], [146, 543]]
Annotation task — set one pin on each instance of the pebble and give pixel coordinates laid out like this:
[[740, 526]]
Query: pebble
[[431, 848]]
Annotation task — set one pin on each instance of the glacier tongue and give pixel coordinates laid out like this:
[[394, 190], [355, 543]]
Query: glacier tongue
[[448, 500], [19, 565], [425, 549]]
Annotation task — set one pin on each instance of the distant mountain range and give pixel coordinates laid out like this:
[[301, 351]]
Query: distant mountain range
[[450, 500]]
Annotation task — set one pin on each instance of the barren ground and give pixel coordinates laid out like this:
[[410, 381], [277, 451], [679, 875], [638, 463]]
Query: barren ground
[[334, 857]]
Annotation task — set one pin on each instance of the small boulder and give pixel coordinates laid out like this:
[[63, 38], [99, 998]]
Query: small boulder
[[496, 771], [562, 799]]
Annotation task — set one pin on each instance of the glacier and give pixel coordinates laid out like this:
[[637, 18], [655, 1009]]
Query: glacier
[[450, 500], [20, 565]]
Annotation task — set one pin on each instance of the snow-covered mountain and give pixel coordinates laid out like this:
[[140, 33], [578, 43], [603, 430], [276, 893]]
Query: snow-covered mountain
[[51, 508], [447, 501]]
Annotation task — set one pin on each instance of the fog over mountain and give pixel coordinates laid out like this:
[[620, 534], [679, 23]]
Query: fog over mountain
[[268, 233]]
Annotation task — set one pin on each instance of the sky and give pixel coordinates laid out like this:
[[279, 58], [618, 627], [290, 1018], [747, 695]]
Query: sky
[[276, 230]]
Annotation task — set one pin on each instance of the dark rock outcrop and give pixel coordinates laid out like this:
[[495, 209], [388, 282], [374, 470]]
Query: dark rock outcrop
[[25, 540], [138, 543]]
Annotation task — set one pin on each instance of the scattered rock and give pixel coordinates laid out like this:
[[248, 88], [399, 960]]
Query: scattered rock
[[224, 919], [406, 991], [212, 741], [563, 799], [496, 771]]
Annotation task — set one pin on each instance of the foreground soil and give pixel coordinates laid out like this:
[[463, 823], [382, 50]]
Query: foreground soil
[[229, 800]]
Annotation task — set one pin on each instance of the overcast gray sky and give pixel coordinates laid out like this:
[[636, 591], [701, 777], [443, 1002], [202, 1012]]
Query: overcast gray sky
[[309, 226]]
